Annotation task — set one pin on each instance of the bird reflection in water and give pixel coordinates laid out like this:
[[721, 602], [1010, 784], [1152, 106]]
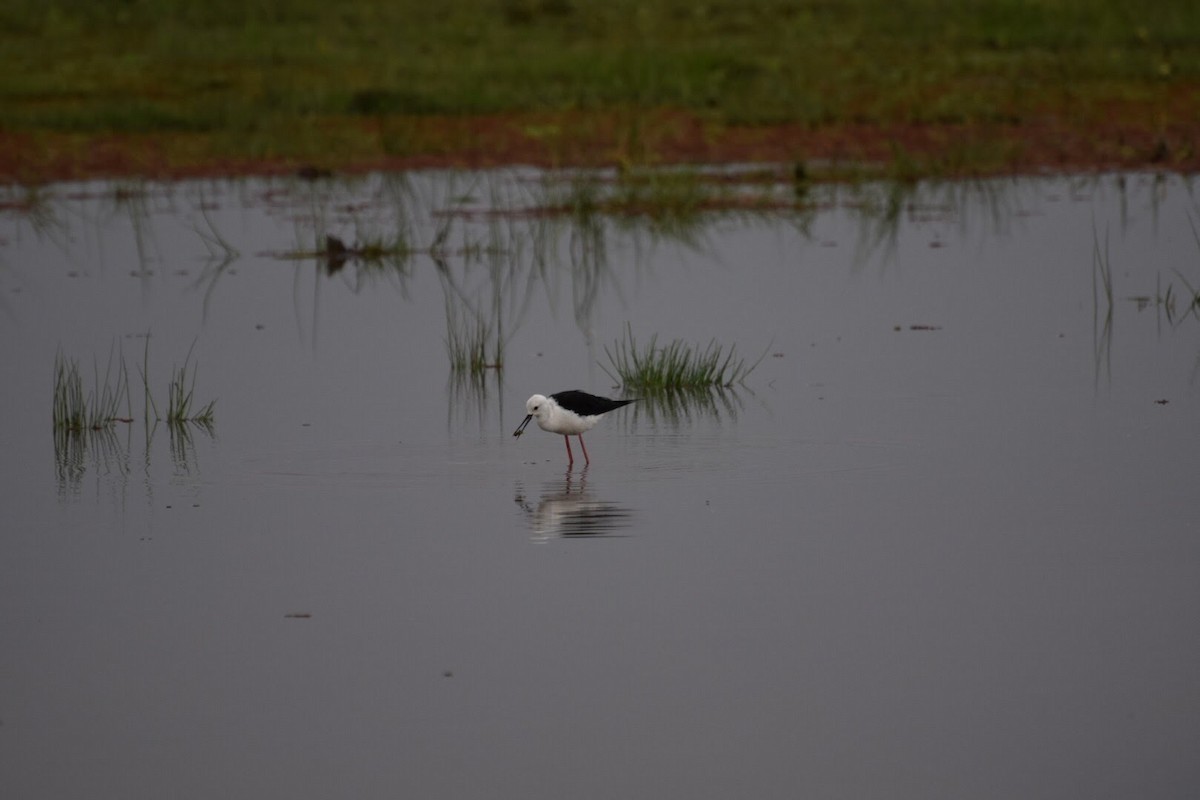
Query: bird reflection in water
[[566, 509]]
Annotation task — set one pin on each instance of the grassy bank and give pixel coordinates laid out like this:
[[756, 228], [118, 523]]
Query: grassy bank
[[227, 85]]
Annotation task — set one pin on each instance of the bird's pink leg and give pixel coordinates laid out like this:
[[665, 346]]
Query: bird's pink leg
[[586, 460], [570, 458]]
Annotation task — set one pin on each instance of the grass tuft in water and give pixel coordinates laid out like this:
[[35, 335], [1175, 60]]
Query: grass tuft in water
[[73, 410], [180, 393], [649, 368], [148, 403]]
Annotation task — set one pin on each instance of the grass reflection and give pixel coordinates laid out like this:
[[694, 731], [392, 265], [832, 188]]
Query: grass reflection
[[684, 406], [76, 452]]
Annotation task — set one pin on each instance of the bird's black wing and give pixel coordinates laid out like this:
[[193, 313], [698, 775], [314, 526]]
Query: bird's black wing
[[586, 405]]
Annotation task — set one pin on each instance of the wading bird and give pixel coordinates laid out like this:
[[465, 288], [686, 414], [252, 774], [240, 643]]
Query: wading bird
[[570, 414]]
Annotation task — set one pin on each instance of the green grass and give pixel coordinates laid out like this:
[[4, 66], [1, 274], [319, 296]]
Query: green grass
[[84, 421], [76, 410], [673, 203], [321, 80], [180, 393], [677, 366]]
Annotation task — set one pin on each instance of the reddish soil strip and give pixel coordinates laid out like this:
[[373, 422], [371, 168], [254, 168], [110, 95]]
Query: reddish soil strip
[[1124, 138]]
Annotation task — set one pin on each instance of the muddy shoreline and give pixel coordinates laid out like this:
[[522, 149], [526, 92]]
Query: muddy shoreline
[[836, 151]]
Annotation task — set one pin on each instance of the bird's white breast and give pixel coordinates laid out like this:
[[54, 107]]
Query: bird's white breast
[[558, 420]]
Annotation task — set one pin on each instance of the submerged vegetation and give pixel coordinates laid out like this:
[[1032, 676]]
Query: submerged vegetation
[[224, 86]]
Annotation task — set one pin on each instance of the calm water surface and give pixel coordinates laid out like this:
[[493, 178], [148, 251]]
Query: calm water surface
[[942, 543]]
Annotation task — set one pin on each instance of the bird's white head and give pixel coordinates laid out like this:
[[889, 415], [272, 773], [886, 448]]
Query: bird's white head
[[537, 405]]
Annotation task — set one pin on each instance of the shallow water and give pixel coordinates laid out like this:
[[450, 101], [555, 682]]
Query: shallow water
[[942, 543]]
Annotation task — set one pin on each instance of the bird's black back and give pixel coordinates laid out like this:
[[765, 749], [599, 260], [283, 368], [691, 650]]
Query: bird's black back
[[587, 405]]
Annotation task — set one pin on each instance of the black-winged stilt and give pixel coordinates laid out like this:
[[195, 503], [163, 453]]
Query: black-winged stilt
[[568, 413]]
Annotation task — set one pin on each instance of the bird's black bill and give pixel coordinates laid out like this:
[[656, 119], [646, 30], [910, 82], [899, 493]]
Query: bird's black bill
[[521, 428]]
